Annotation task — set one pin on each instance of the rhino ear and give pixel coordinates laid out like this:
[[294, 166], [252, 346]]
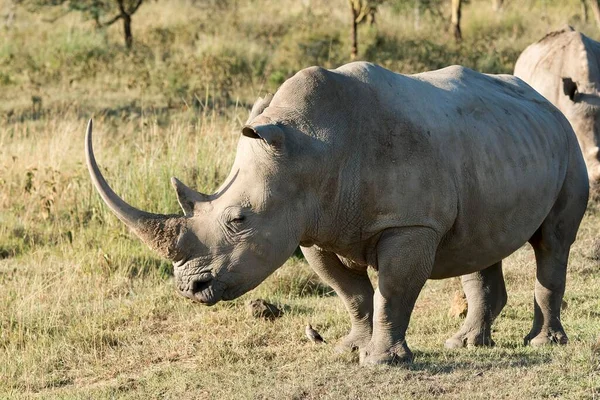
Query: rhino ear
[[569, 88], [187, 197], [259, 106], [272, 134]]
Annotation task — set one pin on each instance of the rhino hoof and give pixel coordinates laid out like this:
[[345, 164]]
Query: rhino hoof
[[390, 358], [343, 348], [547, 339], [458, 342], [455, 343], [352, 343]]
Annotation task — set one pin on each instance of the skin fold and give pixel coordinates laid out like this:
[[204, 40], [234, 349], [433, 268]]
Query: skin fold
[[424, 176]]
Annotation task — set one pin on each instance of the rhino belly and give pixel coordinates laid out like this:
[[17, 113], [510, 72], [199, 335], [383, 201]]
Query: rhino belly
[[500, 208]]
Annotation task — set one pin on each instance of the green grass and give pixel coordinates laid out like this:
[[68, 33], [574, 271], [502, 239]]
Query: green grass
[[86, 311]]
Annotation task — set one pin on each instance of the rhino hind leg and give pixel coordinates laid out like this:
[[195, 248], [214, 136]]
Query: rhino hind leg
[[549, 290], [355, 290], [551, 260], [486, 297], [552, 243]]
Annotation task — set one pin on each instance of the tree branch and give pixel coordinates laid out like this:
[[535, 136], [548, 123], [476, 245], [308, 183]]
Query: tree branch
[[121, 7], [57, 17], [112, 21], [138, 4]]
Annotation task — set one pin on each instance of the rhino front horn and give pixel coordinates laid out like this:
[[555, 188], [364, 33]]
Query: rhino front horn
[[160, 232]]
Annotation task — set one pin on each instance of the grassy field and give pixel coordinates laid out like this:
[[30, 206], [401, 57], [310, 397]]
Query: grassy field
[[87, 312]]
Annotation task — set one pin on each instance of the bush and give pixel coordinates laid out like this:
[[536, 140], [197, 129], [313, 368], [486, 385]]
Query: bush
[[305, 48]]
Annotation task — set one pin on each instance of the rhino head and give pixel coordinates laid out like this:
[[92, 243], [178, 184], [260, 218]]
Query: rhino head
[[226, 243], [581, 105]]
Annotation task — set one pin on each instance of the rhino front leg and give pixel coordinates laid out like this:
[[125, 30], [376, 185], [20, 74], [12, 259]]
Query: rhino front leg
[[486, 297], [405, 260], [355, 290]]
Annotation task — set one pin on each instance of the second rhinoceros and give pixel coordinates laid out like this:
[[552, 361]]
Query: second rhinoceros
[[425, 176], [564, 66]]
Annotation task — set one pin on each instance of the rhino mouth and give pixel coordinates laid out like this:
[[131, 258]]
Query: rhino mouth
[[206, 297], [204, 289]]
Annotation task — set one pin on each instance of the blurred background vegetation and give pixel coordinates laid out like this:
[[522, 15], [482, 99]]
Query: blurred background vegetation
[[181, 55]]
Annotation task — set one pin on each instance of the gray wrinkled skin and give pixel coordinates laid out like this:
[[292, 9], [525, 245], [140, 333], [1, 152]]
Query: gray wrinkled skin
[[427, 176], [564, 67]]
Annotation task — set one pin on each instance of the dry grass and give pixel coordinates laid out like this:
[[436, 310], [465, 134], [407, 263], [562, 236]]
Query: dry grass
[[87, 312], [74, 328]]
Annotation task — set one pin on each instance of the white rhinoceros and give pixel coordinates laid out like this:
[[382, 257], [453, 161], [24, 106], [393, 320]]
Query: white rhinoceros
[[564, 67], [425, 176]]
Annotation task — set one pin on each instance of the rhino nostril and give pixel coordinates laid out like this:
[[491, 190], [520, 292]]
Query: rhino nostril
[[200, 283]]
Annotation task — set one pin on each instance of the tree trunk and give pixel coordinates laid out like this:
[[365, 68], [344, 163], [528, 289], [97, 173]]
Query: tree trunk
[[354, 36], [497, 4], [595, 10], [417, 12], [456, 4], [127, 30], [584, 11], [371, 16]]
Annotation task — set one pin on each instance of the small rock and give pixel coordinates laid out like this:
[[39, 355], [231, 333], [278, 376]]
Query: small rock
[[259, 308], [458, 307]]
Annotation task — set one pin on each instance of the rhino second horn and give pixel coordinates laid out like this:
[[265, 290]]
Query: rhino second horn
[[160, 232], [187, 197]]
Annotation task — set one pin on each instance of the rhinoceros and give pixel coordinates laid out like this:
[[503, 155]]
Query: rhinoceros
[[564, 67], [424, 176]]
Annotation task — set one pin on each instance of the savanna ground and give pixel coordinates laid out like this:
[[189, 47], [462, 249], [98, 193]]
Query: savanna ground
[[87, 312]]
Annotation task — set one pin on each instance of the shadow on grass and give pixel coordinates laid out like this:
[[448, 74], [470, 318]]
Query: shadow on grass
[[299, 286], [8, 251], [446, 361]]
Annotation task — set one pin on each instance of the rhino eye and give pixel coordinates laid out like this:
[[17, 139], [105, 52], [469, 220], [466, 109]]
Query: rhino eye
[[237, 220]]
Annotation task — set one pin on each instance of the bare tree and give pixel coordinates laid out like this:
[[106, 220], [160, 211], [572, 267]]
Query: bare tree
[[362, 10], [595, 10], [456, 5], [10, 15], [95, 10], [126, 10], [417, 14], [354, 32]]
